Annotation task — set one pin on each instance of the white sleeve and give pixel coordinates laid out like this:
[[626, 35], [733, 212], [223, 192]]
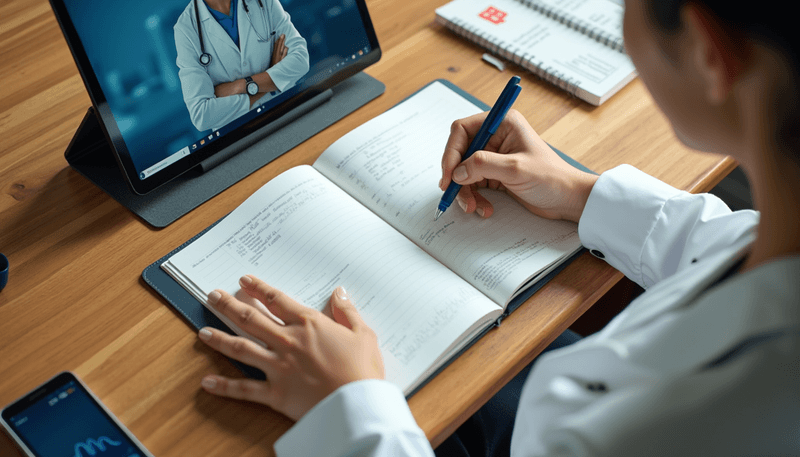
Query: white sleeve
[[650, 230], [365, 418], [206, 111], [295, 65]]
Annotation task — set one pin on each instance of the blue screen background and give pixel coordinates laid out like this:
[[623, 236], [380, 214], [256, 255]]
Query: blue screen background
[[54, 430], [131, 47]]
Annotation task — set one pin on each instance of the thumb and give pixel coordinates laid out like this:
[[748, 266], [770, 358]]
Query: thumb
[[344, 312], [485, 165]]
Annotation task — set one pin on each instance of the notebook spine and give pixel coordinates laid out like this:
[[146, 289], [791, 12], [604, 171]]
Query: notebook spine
[[512, 53], [575, 23]]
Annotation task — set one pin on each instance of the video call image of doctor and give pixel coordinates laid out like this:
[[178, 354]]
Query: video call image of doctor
[[234, 55]]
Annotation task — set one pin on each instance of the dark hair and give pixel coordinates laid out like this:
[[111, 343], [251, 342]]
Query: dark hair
[[771, 25], [765, 22]]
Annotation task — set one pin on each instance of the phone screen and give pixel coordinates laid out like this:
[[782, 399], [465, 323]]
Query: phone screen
[[67, 422]]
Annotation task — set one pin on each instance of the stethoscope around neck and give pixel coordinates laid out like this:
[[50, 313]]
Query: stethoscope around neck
[[205, 58]]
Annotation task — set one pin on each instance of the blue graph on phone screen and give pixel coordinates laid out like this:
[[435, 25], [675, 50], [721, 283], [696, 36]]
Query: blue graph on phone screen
[[93, 447], [67, 423]]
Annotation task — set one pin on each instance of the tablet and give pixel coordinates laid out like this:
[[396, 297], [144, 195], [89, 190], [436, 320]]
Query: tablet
[[174, 82]]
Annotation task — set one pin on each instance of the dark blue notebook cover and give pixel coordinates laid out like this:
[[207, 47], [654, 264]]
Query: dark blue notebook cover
[[198, 316]]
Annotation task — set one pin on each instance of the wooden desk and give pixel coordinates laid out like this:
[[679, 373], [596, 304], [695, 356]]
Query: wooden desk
[[75, 300]]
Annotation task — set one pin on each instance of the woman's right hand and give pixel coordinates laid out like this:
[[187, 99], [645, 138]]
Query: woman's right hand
[[518, 161]]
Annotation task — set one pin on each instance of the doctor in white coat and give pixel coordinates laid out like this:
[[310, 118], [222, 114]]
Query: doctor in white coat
[[222, 81], [705, 362]]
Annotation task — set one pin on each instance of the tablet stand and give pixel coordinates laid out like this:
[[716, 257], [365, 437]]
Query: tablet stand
[[90, 154]]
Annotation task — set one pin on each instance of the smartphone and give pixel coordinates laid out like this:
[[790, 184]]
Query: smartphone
[[63, 417]]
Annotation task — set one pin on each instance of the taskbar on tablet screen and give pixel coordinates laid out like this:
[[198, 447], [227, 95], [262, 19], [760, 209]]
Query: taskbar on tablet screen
[[151, 98], [255, 112]]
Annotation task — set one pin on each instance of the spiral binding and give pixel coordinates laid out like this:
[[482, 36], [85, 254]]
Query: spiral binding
[[512, 53], [573, 22]]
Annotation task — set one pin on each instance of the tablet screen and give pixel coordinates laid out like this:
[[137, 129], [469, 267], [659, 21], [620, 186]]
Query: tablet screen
[[175, 81]]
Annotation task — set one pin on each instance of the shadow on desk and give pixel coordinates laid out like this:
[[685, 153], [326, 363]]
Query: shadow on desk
[[255, 426], [734, 190], [50, 207], [7, 446], [69, 211]]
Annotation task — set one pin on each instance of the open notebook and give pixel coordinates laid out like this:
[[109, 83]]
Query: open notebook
[[362, 217]]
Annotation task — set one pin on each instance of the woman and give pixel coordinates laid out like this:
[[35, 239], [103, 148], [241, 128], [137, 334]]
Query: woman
[[226, 71], [705, 362]]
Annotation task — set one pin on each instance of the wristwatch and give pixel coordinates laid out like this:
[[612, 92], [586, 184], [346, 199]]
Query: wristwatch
[[252, 87]]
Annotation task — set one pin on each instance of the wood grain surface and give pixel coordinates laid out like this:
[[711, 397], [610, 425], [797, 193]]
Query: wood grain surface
[[75, 299]]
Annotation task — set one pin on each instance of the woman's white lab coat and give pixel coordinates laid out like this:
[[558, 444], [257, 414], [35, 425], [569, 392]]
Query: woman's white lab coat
[[693, 366], [229, 63]]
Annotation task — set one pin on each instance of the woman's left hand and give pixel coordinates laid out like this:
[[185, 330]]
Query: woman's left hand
[[305, 360], [279, 50]]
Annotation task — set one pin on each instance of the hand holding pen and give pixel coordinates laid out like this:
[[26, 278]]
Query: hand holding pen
[[515, 160], [488, 128]]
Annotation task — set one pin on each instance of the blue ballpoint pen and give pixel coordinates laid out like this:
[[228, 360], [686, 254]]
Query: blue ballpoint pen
[[489, 126]]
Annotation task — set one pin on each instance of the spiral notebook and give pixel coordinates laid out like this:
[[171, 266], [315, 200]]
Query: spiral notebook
[[574, 44]]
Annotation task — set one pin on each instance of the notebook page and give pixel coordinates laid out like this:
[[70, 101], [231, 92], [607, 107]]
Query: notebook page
[[303, 235], [518, 33], [392, 164], [602, 15]]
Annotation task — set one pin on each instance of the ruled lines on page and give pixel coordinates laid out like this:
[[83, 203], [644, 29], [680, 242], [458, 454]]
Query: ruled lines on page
[[392, 165], [591, 17], [303, 235]]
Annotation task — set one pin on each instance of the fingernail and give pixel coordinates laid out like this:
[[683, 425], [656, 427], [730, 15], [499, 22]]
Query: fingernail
[[214, 297], [209, 383], [245, 281], [341, 293], [479, 211], [205, 334], [461, 204], [460, 173]]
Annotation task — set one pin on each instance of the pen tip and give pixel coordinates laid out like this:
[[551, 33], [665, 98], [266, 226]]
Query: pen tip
[[438, 214]]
